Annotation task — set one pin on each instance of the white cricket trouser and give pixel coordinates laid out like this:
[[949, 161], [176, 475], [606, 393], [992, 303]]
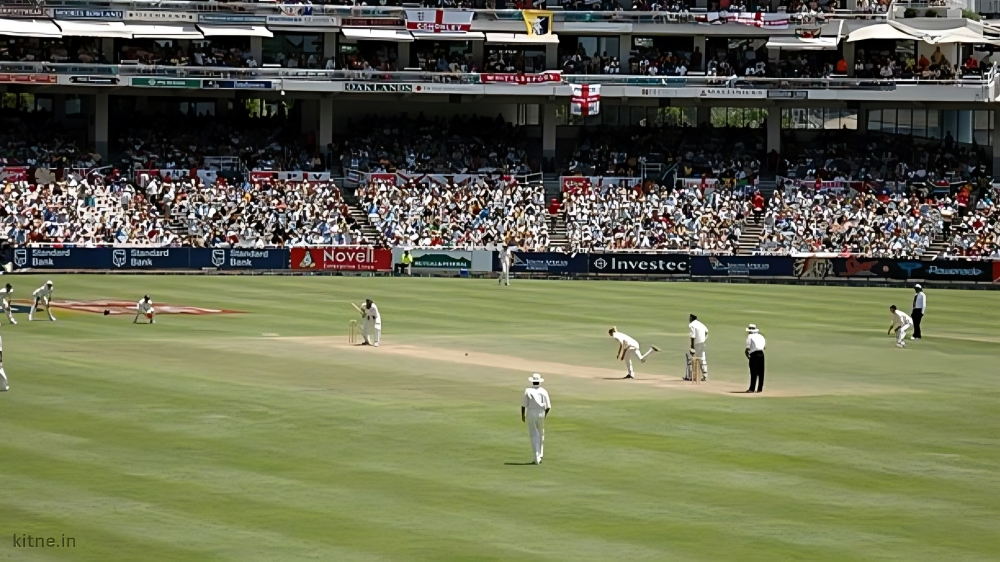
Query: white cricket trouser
[[634, 352], [366, 332], [901, 333], [34, 305], [10, 316], [3, 379], [699, 352], [505, 274], [536, 429]]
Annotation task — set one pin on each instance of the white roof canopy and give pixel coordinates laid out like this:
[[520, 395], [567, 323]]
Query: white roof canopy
[[464, 36], [234, 30], [94, 29], [959, 35], [163, 31], [29, 28], [798, 44], [366, 34], [521, 38], [881, 31]]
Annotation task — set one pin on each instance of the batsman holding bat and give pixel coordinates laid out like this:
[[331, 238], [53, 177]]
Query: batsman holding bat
[[370, 320]]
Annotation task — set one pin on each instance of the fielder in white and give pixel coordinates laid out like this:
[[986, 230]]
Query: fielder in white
[[628, 348], [505, 260], [42, 295], [901, 323], [699, 334], [6, 295], [534, 409], [4, 387], [371, 320], [145, 308]]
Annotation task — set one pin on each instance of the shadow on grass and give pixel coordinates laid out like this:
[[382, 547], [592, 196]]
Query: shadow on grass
[[519, 464]]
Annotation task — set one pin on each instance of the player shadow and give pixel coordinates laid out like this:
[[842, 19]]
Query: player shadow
[[620, 378], [519, 464]]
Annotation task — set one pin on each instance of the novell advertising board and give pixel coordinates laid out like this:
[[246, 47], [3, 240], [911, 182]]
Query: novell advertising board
[[341, 258]]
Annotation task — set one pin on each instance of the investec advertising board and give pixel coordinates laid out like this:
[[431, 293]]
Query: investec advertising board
[[639, 264]]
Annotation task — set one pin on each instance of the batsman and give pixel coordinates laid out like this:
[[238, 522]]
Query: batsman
[[371, 321]]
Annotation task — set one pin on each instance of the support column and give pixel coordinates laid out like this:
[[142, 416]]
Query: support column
[[704, 115], [404, 56], [325, 134], [624, 51], [329, 47], [552, 56], [478, 56], [549, 132], [996, 150], [310, 116], [101, 124], [257, 49], [774, 129], [108, 49], [849, 56], [699, 45], [59, 108]]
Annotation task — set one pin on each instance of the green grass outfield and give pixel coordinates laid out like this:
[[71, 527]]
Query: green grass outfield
[[200, 439]]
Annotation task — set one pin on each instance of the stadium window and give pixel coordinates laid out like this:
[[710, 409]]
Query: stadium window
[[734, 117], [981, 124], [919, 123], [815, 119], [786, 119], [933, 124], [73, 106], [875, 120], [43, 104], [753, 117], [831, 119], [889, 121], [964, 126], [903, 121], [717, 117], [849, 119]]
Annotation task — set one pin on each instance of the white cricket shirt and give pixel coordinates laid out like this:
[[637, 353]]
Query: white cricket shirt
[[900, 318], [698, 331], [536, 400], [42, 291], [145, 306], [920, 300], [372, 312], [755, 342], [626, 340]]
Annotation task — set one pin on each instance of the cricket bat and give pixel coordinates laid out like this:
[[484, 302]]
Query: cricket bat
[[358, 308]]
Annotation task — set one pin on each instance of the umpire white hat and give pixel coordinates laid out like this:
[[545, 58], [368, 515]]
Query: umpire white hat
[[536, 379], [752, 328]]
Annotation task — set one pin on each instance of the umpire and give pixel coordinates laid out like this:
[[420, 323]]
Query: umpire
[[755, 353], [919, 305]]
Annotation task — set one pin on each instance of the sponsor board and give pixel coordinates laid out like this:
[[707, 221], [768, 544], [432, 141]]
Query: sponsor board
[[439, 21], [239, 258], [150, 258], [372, 22], [167, 82], [639, 264], [543, 262], [377, 88], [441, 259], [239, 84], [265, 175], [13, 173], [291, 20], [341, 258], [129, 308], [585, 183], [231, 18], [86, 14], [788, 94], [29, 78], [996, 272], [160, 15], [731, 93], [957, 270], [521, 79], [94, 80], [23, 12], [740, 266]]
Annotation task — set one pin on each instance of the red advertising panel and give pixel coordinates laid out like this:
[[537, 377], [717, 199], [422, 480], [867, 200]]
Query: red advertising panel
[[521, 79], [342, 258], [996, 272], [13, 173], [575, 184]]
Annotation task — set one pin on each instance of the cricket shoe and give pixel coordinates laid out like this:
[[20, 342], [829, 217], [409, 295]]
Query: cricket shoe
[[900, 344], [654, 348], [628, 377]]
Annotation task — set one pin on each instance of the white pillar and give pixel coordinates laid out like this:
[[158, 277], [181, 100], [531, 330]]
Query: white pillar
[[774, 129], [699, 43], [624, 51], [996, 149], [552, 56], [257, 49], [108, 49], [325, 134], [329, 46], [101, 124], [849, 56], [403, 55], [549, 131]]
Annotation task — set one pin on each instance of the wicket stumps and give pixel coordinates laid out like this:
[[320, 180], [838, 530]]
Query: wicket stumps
[[353, 332], [696, 370]]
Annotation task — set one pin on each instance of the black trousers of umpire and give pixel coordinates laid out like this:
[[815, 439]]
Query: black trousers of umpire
[[918, 315], [756, 371]]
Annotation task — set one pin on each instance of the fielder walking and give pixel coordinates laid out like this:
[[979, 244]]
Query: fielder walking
[[919, 305], [698, 333], [4, 387], [145, 308], [6, 295], [42, 295], [372, 320], [901, 323], [505, 259], [628, 348], [534, 409], [755, 354]]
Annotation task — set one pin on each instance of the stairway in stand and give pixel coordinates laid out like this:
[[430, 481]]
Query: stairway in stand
[[937, 247], [557, 232], [750, 237], [368, 230]]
